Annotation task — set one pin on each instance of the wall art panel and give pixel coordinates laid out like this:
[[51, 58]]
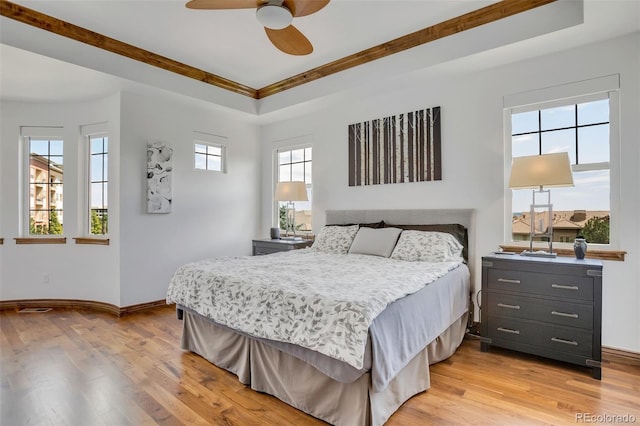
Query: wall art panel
[[159, 171], [396, 149]]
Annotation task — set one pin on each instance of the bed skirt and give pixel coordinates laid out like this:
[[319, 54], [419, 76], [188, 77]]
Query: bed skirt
[[267, 369]]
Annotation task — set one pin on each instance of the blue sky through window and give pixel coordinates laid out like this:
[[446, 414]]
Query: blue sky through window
[[546, 131]]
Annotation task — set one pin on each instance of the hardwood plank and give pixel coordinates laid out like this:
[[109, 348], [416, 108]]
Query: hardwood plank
[[79, 366]]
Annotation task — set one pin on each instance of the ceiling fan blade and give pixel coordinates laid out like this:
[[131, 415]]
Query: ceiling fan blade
[[224, 4], [305, 7], [290, 40]]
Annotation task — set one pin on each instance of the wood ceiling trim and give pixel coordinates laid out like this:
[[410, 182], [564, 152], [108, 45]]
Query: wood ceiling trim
[[83, 35], [443, 29], [476, 18]]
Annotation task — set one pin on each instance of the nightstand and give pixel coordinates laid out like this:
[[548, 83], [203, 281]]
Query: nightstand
[[268, 246], [550, 307]]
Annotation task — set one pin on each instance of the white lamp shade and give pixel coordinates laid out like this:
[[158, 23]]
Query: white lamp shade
[[534, 171], [291, 191]]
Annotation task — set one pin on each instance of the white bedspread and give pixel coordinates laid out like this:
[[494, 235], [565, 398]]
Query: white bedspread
[[323, 302]]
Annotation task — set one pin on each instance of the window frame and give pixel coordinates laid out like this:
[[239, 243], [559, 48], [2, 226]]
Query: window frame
[[210, 140], [276, 178], [89, 157], [570, 94], [28, 133]]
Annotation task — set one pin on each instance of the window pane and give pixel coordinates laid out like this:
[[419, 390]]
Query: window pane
[[297, 155], [56, 160], [307, 154], [524, 122], [594, 112], [201, 161], [97, 194], [556, 118], [39, 147], [284, 157], [96, 168], [105, 171], [214, 150], [560, 141], [593, 144], [201, 148], [214, 163], [284, 174], [524, 145], [307, 174], [591, 192], [297, 172], [98, 145]]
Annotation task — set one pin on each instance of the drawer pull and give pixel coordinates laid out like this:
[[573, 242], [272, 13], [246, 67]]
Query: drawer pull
[[505, 280], [508, 330], [503, 305], [564, 314], [565, 287], [566, 342]]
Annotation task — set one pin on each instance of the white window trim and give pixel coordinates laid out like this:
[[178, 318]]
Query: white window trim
[[26, 132], [569, 94], [210, 139], [300, 142], [86, 131]]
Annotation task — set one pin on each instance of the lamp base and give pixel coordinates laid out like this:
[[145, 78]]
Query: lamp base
[[538, 254]]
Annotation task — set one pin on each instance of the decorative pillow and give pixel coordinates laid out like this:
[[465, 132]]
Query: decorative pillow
[[427, 247], [455, 229], [335, 239], [376, 242]]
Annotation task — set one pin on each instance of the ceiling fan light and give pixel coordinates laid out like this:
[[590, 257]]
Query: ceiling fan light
[[274, 16]]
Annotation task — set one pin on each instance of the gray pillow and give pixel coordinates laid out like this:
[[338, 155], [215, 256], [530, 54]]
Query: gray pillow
[[376, 242]]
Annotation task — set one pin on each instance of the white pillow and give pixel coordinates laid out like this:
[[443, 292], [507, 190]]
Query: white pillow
[[376, 242], [335, 239], [427, 246]]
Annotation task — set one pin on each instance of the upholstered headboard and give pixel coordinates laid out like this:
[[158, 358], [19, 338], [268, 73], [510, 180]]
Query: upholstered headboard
[[464, 217]]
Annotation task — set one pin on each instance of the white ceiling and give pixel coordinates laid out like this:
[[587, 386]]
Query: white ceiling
[[232, 44]]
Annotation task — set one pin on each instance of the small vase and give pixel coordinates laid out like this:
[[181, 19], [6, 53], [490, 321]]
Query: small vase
[[580, 248]]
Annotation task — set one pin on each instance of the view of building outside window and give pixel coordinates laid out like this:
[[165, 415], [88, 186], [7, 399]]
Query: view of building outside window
[[98, 185], [46, 170], [295, 165], [582, 130]]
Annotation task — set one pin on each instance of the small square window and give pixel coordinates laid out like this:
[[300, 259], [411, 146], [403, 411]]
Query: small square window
[[208, 156]]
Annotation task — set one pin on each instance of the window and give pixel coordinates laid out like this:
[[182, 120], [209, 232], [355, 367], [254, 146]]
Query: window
[[210, 152], [582, 127], [98, 184], [46, 172], [295, 165]]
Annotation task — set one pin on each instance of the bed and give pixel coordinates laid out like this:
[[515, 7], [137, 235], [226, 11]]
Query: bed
[[346, 330]]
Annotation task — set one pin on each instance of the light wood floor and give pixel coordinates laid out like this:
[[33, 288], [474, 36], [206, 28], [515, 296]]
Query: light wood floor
[[83, 368]]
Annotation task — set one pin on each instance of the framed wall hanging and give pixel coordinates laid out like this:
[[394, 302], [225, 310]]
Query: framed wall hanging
[[396, 149], [159, 171]]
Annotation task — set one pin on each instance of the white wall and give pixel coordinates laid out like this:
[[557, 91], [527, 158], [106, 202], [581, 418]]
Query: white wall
[[213, 214], [473, 154], [75, 271]]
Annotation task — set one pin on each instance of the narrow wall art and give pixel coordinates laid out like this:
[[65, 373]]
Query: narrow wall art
[[396, 149], [159, 171]]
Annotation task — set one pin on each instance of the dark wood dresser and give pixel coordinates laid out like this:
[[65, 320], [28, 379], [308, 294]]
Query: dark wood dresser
[[550, 307]]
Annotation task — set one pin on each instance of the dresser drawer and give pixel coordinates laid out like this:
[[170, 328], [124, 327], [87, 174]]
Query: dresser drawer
[[551, 285], [553, 337], [551, 311]]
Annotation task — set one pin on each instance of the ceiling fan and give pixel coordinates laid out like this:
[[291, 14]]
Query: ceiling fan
[[276, 17]]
